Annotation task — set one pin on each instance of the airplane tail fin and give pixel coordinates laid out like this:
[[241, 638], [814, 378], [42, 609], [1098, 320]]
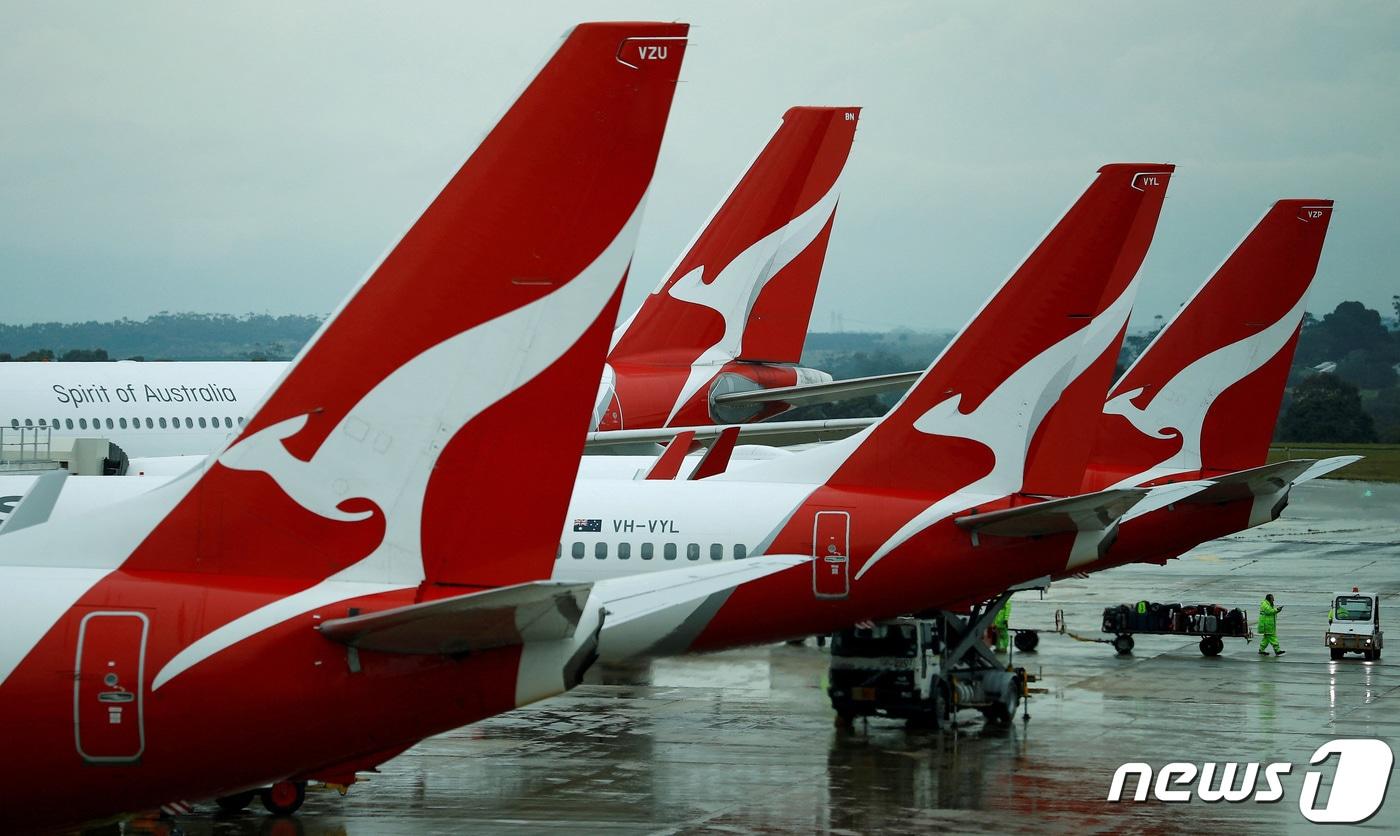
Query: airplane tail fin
[[976, 416], [388, 452], [744, 288], [1204, 396]]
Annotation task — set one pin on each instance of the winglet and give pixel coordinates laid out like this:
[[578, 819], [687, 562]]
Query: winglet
[[716, 459], [668, 464]]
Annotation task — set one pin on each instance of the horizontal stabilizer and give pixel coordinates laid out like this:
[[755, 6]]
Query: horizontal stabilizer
[[38, 502], [776, 434], [1256, 481], [1325, 466], [1090, 512], [810, 393], [661, 613], [504, 617], [1164, 495]]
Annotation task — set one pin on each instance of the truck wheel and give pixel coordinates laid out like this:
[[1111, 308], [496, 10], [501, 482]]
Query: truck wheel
[[1211, 646], [234, 803], [1368, 655], [284, 797], [1337, 654], [845, 720], [1027, 641], [1123, 644]]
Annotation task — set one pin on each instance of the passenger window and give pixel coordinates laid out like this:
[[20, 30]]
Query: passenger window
[[647, 551], [42, 423], [669, 551], [624, 551], [29, 422], [189, 423], [240, 420], [740, 551], [600, 551], [109, 423], [162, 423], [558, 551], [201, 423], [716, 551], [150, 424], [577, 551], [121, 422], [228, 422], [68, 423], [82, 424], [692, 551], [14, 423]]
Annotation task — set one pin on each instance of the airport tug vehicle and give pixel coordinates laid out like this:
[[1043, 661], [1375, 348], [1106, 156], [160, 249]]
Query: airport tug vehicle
[[923, 669], [1354, 625]]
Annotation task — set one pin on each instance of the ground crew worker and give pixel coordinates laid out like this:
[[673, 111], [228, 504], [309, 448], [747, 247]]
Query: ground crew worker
[[1268, 626], [1001, 623]]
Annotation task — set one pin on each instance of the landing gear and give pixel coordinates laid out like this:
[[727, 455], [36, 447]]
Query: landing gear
[[284, 797], [236, 802], [1212, 645], [1123, 644]]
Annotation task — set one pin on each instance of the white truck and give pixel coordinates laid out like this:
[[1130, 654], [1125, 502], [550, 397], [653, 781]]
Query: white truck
[[1354, 625]]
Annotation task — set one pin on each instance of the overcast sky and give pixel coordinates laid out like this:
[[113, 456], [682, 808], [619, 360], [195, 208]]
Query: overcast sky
[[259, 157]]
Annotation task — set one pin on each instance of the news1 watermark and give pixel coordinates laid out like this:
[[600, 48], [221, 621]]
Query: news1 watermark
[[1360, 776]]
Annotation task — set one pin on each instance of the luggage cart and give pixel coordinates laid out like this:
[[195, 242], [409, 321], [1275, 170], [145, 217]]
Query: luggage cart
[[1212, 622]]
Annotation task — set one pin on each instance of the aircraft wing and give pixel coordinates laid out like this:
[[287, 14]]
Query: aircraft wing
[[1089, 512], [773, 434], [836, 390], [509, 615]]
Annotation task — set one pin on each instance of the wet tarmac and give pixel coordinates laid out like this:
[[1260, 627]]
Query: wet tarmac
[[743, 742]]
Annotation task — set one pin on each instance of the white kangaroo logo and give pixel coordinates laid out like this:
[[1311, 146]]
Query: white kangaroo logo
[[1007, 419], [735, 290], [1180, 408], [412, 412]]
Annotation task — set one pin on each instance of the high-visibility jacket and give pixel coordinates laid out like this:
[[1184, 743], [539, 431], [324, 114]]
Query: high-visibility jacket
[[1268, 617]]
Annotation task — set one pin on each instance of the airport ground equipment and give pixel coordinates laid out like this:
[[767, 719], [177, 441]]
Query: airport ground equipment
[[1354, 625], [1212, 622], [923, 669]]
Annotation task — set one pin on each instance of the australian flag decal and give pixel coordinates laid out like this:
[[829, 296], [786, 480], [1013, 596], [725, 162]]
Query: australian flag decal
[[588, 525]]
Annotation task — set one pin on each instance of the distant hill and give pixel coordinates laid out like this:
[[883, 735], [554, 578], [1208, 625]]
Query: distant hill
[[167, 336]]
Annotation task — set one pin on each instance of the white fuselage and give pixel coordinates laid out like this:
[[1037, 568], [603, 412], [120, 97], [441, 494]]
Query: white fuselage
[[641, 526], [147, 409]]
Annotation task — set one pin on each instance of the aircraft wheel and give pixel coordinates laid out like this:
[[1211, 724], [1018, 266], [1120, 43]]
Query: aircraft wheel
[[1123, 644], [1027, 641], [1338, 654], [284, 797], [237, 801]]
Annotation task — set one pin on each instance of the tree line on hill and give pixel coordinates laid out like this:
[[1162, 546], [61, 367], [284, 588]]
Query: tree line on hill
[[1343, 386]]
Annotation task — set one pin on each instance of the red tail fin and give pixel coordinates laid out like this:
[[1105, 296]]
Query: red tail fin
[[391, 435], [1204, 396], [1060, 450], [970, 418], [744, 287]]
